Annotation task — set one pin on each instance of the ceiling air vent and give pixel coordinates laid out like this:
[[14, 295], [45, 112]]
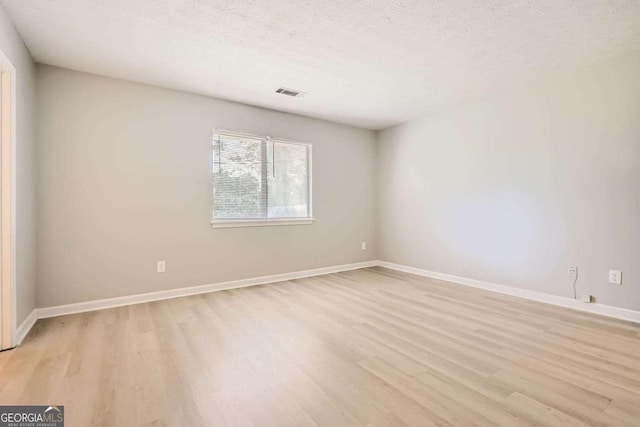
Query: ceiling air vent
[[290, 92]]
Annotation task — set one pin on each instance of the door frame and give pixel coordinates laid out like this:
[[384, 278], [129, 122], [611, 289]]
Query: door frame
[[8, 309]]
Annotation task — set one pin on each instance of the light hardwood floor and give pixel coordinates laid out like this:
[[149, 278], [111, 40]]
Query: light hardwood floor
[[371, 347]]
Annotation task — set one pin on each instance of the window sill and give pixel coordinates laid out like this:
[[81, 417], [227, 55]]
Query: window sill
[[235, 223]]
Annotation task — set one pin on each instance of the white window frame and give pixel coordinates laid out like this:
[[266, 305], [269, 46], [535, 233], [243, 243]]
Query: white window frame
[[235, 223]]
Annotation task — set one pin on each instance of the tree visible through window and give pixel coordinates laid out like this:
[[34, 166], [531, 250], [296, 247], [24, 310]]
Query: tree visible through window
[[258, 178]]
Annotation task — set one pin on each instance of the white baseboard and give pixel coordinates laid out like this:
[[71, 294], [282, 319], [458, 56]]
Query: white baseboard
[[43, 313], [604, 310], [25, 327], [60, 310]]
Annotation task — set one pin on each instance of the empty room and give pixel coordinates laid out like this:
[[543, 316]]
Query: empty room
[[319, 213]]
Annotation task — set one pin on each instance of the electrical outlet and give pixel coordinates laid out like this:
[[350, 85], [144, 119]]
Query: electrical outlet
[[363, 246], [586, 298], [161, 267], [573, 271], [615, 277]]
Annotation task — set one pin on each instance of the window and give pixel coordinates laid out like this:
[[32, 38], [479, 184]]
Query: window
[[260, 181]]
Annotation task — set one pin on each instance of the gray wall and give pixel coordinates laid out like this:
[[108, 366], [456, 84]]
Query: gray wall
[[511, 189], [124, 180], [514, 188], [15, 50]]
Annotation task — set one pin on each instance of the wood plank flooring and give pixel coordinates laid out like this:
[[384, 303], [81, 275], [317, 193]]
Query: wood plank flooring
[[370, 347]]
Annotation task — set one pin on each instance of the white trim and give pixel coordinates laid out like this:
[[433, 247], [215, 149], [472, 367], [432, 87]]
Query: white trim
[[604, 310], [26, 326], [7, 64], [61, 310], [43, 313], [233, 223]]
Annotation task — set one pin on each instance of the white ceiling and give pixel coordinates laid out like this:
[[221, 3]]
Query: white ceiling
[[367, 63]]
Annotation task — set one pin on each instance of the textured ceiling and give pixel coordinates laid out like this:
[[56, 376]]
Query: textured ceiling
[[368, 63]]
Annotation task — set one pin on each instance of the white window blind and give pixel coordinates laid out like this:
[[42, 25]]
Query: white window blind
[[260, 179]]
